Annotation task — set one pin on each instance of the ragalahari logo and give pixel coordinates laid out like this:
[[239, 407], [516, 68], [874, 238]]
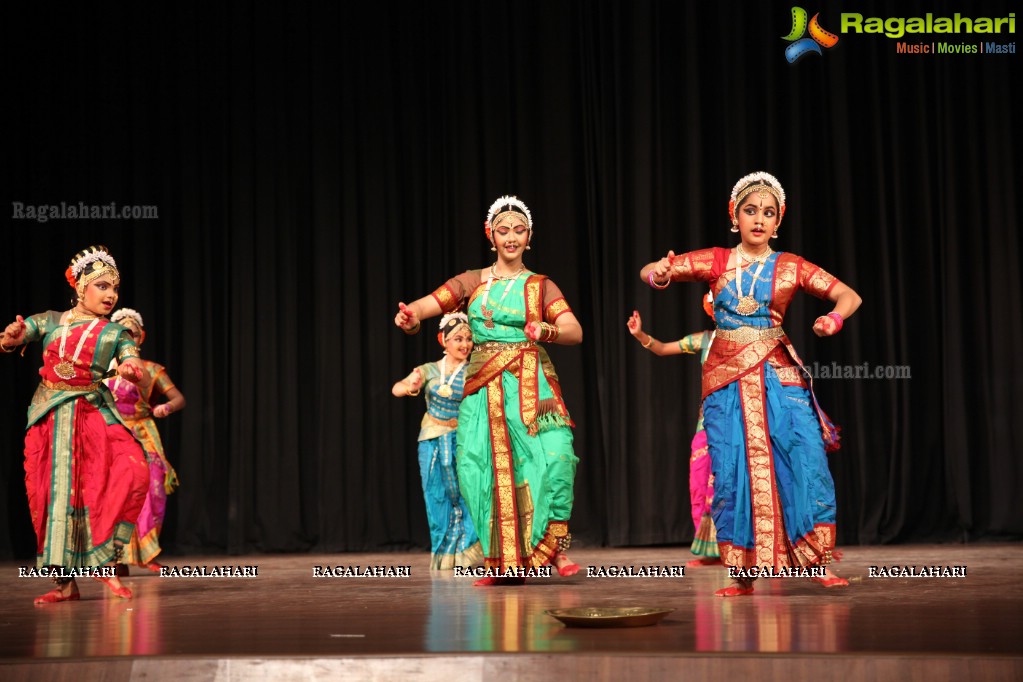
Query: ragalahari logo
[[801, 46]]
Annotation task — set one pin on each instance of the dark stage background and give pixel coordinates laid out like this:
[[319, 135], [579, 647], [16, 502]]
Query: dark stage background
[[313, 165]]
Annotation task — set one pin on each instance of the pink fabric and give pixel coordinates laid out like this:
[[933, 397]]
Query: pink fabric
[[151, 518], [701, 480]]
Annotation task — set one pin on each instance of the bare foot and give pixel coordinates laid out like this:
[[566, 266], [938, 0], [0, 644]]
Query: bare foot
[[565, 566], [831, 579], [703, 561], [116, 587], [66, 592], [738, 588]]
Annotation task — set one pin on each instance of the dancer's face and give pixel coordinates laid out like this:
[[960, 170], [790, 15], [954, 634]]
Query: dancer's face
[[458, 345], [758, 218], [511, 236], [100, 295]]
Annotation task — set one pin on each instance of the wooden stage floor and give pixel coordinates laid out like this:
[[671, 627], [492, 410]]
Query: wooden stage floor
[[287, 624]]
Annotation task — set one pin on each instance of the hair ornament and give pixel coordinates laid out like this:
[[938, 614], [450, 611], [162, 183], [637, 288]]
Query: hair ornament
[[461, 317], [128, 314], [449, 323], [516, 205], [91, 256], [760, 181]]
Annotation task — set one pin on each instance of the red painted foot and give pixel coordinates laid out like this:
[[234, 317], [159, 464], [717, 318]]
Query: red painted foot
[[55, 596], [705, 561], [736, 590], [565, 569], [116, 587]]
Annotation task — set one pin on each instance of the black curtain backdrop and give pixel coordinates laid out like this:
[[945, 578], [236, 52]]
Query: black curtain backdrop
[[312, 165]]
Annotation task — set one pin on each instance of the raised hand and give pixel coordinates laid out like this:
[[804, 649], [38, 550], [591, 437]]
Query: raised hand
[[406, 318], [415, 381], [825, 326], [129, 371], [663, 267], [635, 324], [14, 333]]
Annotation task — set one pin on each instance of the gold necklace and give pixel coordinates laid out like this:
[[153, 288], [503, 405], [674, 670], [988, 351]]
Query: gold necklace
[[445, 390], [65, 369], [488, 313], [747, 304], [753, 259], [514, 275]]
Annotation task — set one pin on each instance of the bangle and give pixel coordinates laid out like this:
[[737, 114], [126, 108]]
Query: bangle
[[5, 349], [837, 317], [412, 330], [549, 332], [649, 341], [408, 390], [655, 285]]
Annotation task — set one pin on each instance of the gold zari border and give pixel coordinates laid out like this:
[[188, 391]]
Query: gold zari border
[[786, 282], [556, 309], [445, 298], [813, 549], [62, 386], [497, 346], [505, 509], [819, 283], [543, 553], [767, 524], [745, 335], [694, 266]]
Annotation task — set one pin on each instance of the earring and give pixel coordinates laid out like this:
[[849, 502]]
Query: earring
[[735, 226], [528, 247], [775, 235], [493, 248]]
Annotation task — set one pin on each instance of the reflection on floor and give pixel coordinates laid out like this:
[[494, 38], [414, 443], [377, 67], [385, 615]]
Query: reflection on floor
[[223, 626]]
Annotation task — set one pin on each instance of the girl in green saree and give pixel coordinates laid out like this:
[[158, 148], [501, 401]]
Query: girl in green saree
[[516, 465]]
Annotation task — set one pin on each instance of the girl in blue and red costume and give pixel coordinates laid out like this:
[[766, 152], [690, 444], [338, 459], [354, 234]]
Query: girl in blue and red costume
[[774, 498], [453, 540]]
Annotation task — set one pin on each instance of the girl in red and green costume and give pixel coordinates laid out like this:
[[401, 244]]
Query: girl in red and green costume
[[85, 473]]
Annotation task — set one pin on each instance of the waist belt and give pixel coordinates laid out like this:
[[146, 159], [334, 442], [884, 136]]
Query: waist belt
[[497, 346], [61, 386], [452, 423], [746, 335]]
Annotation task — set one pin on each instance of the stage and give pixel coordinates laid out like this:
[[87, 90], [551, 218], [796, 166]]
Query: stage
[[286, 623]]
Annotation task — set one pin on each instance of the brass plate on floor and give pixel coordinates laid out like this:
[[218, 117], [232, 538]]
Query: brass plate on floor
[[609, 616]]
